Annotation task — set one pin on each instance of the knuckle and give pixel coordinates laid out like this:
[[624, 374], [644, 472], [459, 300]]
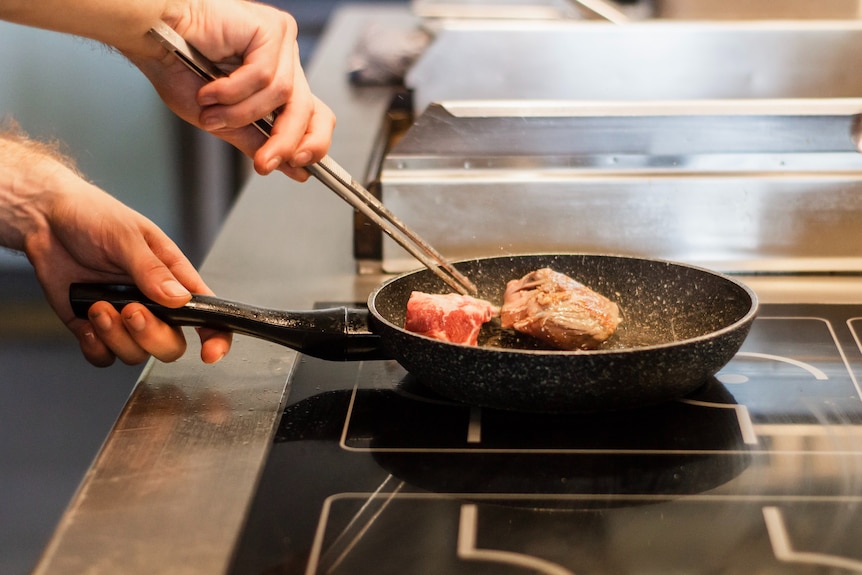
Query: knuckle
[[261, 78], [289, 25], [282, 88]]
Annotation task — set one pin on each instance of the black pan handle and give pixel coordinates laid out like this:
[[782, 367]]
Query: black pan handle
[[338, 334]]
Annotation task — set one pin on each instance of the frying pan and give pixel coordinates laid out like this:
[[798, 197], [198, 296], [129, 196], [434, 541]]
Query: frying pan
[[681, 324]]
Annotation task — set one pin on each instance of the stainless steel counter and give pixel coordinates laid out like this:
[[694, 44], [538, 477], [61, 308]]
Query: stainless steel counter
[[171, 487]]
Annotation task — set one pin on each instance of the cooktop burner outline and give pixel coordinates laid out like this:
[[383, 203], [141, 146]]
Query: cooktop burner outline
[[772, 517], [782, 545], [817, 373], [468, 550], [733, 377], [473, 436], [746, 426]]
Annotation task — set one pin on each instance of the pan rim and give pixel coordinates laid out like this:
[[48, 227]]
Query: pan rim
[[746, 318]]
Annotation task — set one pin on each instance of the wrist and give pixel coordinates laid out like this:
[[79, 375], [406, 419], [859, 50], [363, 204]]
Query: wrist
[[29, 180]]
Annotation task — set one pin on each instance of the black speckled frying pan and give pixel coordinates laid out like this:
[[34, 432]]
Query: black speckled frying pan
[[681, 324]]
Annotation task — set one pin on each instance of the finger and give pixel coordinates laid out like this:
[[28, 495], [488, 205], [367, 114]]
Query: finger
[[302, 134], [109, 328], [134, 334], [282, 148], [314, 145], [232, 89], [263, 83], [263, 95], [268, 55], [219, 120], [153, 276], [188, 276], [287, 133], [298, 174], [96, 352], [153, 336], [214, 344], [317, 138]]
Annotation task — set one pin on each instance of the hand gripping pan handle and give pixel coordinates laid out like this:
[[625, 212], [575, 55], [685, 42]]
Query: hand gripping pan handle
[[338, 334]]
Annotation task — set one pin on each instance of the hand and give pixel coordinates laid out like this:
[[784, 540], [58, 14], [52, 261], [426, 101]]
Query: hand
[[94, 237], [258, 40], [72, 231], [257, 45]]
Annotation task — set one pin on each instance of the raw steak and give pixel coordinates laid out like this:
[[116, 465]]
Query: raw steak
[[449, 317], [558, 310]]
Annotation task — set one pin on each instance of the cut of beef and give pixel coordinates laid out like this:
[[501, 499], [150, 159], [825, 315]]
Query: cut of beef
[[558, 310], [449, 317]]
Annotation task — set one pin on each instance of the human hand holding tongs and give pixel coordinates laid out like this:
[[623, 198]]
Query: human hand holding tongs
[[331, 174]]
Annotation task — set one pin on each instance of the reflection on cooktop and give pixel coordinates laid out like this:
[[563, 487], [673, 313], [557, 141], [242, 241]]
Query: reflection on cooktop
[[406, 418], [444, 536], [758, 471]]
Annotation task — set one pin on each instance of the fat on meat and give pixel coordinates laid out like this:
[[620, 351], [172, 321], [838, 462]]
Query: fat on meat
[[448, 317], [558, 310]]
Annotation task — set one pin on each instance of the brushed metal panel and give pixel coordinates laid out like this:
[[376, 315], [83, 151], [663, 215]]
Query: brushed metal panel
[[762, 9], [754, 135], [789, 223], [738, 185], [663, 9], [642, 61]]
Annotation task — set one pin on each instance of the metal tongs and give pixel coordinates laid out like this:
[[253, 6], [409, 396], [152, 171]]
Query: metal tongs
[[604, 9], [331, 174]]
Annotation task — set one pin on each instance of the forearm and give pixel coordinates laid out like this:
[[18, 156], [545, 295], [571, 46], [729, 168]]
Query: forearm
[[119, 23], [28, 170]]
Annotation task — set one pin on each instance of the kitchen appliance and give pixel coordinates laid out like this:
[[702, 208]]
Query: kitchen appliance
[[758, 471], [729, 145], [732, 185], [646, 61], [692, 10]]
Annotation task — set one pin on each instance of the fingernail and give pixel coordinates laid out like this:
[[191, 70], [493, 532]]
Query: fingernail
[[301, 159], [174, 288], [102, 321], [273, 164], [213, 122], [136, 321], [89, 338]]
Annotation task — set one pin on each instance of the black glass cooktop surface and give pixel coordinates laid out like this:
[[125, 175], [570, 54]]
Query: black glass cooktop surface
[[758, 471]]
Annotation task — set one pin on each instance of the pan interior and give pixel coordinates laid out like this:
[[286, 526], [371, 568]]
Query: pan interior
[[661, 302]]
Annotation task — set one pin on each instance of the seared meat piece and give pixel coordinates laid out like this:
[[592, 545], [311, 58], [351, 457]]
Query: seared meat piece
[[558, 310], [449, 317]]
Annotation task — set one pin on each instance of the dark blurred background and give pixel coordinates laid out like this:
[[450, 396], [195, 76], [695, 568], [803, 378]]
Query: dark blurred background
[[56, 409]]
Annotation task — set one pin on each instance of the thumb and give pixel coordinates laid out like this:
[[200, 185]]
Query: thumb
[[165, 290], [158, 283]]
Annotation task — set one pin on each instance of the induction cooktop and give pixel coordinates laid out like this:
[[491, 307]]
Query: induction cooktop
[[757, 471]]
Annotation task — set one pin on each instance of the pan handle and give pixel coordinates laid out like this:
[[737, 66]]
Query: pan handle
[[338, 334]]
